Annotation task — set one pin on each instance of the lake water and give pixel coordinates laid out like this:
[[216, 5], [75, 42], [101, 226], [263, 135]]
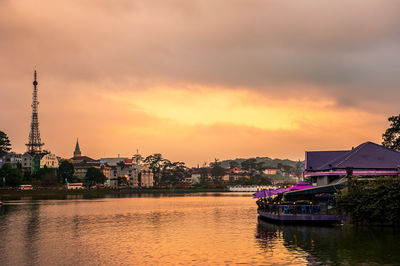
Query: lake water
[[189, 229]]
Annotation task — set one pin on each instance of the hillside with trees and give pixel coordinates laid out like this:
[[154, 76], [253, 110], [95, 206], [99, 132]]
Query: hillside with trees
[[266, 162]]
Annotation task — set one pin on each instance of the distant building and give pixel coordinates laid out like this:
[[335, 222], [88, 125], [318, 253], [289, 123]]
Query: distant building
[[49, 160], [146, 176], [195, 177], [81, 168], [234, 174], [113, 161], [83, 163], [77, 152], [123, 172], [13, 159], [32, 162], [273, 171], [78, 157], [366, 160]]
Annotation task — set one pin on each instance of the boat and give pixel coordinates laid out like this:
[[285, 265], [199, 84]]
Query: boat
[[300, 204], [282, 214]]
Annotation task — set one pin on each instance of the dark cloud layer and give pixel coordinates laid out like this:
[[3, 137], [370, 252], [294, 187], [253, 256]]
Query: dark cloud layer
[[342, 47], [345, 50]]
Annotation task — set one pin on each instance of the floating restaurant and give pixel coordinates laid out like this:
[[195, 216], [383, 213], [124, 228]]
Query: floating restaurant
[[328, 172]]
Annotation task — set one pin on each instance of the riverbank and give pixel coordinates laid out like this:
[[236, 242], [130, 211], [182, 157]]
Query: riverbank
[[57, 193]]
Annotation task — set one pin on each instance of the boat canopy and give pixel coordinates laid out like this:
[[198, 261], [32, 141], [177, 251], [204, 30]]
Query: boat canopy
[[331, 188]]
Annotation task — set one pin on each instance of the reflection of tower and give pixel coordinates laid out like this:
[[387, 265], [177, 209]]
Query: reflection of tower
[[77, 152], [34, 144]]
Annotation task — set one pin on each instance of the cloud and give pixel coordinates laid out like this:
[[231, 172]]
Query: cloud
[[221, 43], [274, 66]]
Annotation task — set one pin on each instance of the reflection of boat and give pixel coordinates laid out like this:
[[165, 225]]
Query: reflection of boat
[[334, 245], [1, 203]]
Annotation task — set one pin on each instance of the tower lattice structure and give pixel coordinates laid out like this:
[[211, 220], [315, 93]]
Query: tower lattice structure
[[34, 144]]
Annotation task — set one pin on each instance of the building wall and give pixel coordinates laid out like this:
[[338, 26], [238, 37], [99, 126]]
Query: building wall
[[146, 176], [130, 172], [271, 171], [49, 160], [196, 178], [12, 159], [26, 161], [81, 169], [112, 161]]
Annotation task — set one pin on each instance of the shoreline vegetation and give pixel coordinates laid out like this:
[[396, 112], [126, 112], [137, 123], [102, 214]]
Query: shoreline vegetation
[[374, 201], [56, 193]]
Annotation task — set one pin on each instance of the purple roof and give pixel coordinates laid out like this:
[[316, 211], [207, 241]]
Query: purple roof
[[301, 185], [316, 159], [366, 156], [259, 194]]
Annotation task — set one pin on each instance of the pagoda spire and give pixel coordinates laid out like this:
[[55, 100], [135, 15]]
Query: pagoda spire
[[77, 151], [34, 142]]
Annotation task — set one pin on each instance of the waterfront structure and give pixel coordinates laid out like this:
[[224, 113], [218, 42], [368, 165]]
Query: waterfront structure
[[34, 142], [74, 186], [366, 160]]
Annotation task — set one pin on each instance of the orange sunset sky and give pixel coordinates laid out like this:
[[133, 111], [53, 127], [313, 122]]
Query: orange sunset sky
[[197, 80]]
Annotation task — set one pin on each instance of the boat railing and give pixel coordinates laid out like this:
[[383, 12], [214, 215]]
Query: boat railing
[[294, 209]]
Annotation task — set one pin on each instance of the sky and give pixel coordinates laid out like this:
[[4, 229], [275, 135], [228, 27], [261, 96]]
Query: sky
[[197, 80]]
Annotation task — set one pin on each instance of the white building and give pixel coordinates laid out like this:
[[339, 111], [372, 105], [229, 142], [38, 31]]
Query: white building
[[146, 176], [13, 159], [45, 159], [124, 173], [49, 160]]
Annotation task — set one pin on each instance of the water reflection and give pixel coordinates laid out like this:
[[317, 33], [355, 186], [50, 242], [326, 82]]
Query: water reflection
[[190, 230], [122, 195], [31, 233], [334, 245]]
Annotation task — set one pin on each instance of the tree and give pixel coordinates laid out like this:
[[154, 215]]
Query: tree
[[5, 145], [12, 177], [65, 171], [95, 176], [203, 171], [217, 171], [391, 137], [47, 176], [156, 162], [137, 158], [173, 173], [233, 164], [249, 164], [371, 201], [121, 164], [260, 166]]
